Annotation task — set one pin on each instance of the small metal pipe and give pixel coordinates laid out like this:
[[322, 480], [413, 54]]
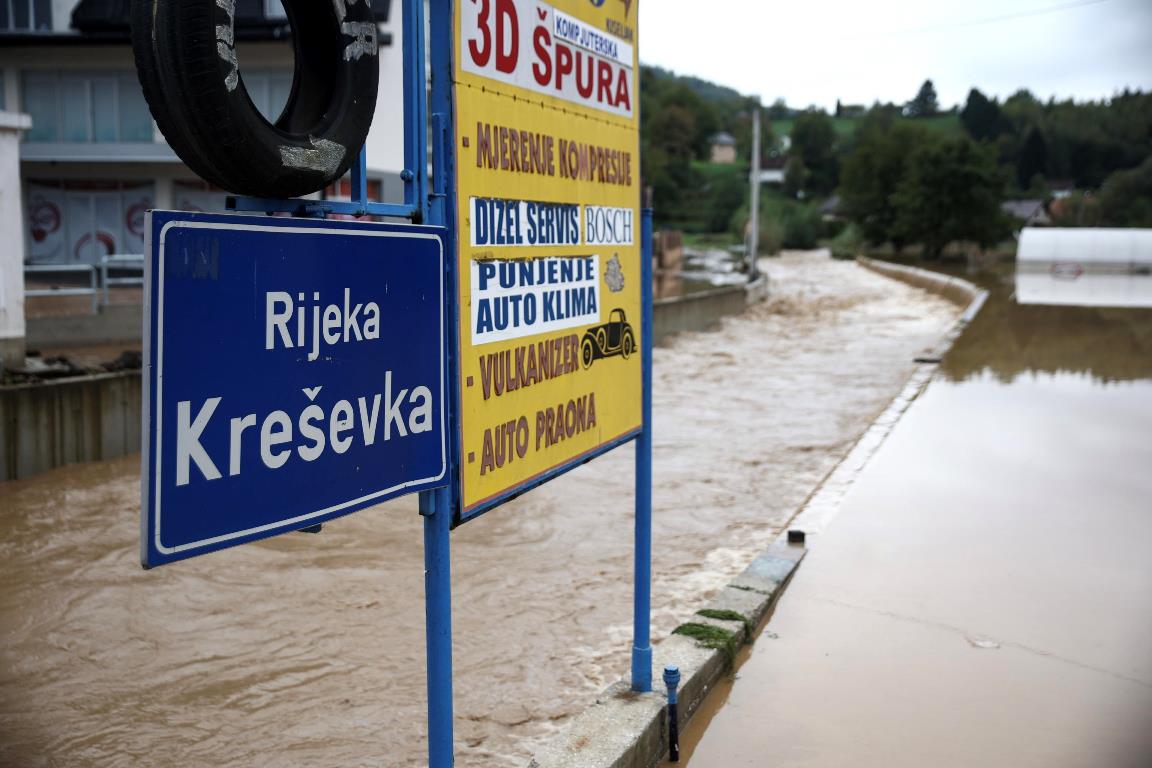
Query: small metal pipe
[[358, 185], [300, 207], [416, 108], [672, 682]]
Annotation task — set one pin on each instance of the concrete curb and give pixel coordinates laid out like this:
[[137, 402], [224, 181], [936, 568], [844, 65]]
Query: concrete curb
[[958, 291], [825, 499], [624, 729]]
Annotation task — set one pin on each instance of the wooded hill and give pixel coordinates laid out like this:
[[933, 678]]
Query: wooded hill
[[905, 174]]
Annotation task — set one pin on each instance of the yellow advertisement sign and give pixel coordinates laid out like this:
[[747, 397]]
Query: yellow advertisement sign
[[547, 205]]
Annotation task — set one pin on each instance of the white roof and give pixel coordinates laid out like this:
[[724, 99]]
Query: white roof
[[1087, 245]]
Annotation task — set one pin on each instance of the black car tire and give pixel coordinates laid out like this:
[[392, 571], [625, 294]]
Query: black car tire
[[627, 345], [185, 59]]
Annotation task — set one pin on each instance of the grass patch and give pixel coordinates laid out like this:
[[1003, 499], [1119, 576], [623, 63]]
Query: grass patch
[[708, 636], [844, 126], [708, 240], [723, 614]]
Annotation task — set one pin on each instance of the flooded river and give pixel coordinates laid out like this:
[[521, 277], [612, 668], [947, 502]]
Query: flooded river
[[308, 650], [984, 594]]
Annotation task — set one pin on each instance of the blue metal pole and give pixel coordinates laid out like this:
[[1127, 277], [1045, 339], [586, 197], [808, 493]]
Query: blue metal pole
[[415, 173], [642, 600], [435, 507], [358, 184]]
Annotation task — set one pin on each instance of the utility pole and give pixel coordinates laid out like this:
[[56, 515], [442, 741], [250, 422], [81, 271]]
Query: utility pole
[[753, 240]]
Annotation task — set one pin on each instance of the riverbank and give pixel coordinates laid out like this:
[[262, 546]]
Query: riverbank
[[102, 662]]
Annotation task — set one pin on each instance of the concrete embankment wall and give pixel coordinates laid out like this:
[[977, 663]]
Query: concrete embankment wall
[[54, 423], [98, 417], [115, 323], [700, 311], [954, 289]]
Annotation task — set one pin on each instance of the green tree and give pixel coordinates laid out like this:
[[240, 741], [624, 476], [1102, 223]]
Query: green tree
[[778, 110], [667, 162], [795, 176], [814, 142], [725, 193], [1033, 158], [873, 171], [925, 104], [981, 117], [950, 191], [1126, 197]]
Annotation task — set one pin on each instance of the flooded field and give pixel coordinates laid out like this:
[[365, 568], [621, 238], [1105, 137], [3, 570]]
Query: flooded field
[[984, 596], [309, 650]]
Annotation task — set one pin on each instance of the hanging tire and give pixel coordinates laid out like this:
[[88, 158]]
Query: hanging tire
[[186, 61]]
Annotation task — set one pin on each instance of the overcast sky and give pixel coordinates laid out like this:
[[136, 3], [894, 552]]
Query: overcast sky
[[814, 52]]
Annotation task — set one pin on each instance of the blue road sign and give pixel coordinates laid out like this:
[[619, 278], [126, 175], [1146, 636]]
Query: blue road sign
[[294, 372]]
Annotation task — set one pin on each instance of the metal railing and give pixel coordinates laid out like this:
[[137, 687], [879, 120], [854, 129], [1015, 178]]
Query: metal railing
[[121, 262], [91, 290]]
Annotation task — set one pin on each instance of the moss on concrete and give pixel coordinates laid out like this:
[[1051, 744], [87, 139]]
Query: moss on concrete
[[709, 636], [723, 614]]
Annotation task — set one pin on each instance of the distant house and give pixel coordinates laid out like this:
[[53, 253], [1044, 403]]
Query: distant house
[[1061, 188], [772, 169], [1028, 213], [723, 148]]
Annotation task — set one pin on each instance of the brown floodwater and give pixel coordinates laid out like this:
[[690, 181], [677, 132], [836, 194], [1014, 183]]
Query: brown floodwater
[[984, 595], [308, 650]]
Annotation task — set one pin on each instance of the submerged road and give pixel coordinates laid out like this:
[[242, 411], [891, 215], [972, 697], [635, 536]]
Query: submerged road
[[983, 597], [309, 650]]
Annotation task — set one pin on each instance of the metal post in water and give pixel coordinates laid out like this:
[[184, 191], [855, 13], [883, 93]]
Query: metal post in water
[[436, 509], [672, 682], [753, 241], [642, 600]]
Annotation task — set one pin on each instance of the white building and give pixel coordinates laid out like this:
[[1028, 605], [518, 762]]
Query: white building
[[94, 161]]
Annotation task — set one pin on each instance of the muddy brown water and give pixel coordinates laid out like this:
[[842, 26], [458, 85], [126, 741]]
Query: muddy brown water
[[309, 650], [984, 595]]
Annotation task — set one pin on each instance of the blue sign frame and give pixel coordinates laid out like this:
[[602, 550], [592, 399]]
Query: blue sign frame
[[324, 342], [427, 200]]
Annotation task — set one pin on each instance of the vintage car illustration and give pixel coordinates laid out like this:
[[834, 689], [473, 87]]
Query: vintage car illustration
[[614, 337]]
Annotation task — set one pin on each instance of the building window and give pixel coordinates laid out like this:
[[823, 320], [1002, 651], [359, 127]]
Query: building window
[[269, 91], [86, 107], [26, 15], [274, 9], [82, 221]]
